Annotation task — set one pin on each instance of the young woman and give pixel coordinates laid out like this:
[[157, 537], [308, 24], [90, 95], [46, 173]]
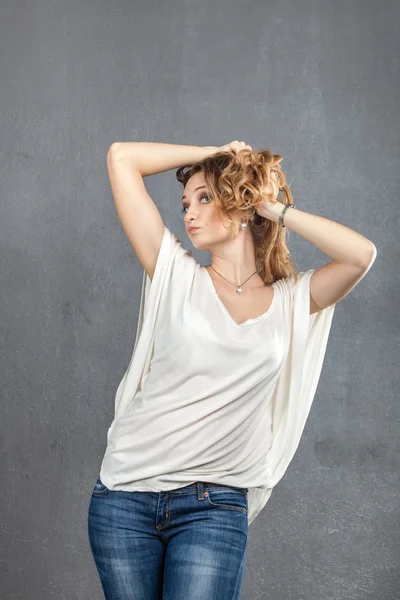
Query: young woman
[[225, 366]]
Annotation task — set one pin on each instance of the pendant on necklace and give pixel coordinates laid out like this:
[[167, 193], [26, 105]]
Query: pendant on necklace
[[239, 290]]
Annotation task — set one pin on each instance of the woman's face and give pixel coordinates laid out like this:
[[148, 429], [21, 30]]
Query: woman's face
[[199, 211]]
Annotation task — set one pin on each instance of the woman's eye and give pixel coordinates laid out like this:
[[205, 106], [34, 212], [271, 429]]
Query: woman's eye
[[201, 198]]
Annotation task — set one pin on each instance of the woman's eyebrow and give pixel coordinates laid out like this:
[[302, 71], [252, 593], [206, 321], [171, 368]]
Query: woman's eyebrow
[[198, 188]]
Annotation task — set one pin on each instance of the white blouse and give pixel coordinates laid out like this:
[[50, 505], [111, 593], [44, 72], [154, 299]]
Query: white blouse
[[206, 399]]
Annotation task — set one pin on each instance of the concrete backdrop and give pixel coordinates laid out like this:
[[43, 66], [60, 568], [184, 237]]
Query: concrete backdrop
[[315, 81]]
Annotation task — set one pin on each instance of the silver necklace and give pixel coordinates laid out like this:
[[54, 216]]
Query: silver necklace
[[239, 287]]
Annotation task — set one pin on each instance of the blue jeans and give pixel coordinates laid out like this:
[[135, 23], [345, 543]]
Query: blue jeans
[[184, 544]]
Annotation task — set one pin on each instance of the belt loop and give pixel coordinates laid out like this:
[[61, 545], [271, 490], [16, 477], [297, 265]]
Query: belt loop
[[200, 490]]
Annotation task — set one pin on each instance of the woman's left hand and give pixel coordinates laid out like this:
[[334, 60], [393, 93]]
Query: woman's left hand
[[270, 210]]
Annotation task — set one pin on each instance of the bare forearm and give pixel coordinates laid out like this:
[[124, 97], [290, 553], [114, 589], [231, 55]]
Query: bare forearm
[[156, 157], [337, 241]]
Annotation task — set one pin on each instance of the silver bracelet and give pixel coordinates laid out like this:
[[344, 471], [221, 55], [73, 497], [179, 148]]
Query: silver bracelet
[[283, 213]]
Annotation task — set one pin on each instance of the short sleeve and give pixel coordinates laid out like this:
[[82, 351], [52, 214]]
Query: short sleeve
[[292, 291], [174, 257], [297, 383], [174, 264]]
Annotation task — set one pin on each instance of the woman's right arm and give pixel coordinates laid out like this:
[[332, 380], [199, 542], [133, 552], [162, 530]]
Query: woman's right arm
[[127, 164], [150, 158]]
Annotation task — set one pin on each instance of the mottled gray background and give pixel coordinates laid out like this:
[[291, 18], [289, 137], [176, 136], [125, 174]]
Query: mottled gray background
[[315, 81]]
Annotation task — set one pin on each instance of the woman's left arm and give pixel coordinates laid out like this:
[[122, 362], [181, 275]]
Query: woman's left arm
[[353, 254]]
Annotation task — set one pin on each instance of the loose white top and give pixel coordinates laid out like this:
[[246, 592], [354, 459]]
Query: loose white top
[[206, 399]]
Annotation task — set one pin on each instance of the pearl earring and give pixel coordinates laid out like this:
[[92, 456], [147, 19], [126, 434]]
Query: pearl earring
[[243, 225]]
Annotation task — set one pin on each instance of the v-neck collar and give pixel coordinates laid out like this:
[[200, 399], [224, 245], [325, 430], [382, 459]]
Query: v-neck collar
[[226, 311]]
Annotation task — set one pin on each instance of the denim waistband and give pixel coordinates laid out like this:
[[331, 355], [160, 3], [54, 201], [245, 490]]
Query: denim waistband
[[200, 485]]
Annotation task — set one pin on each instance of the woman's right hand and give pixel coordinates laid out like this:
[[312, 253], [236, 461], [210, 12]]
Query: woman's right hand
[[235, 147]]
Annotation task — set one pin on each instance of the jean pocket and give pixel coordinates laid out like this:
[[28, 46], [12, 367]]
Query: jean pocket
[[227, 499], [99, 488]]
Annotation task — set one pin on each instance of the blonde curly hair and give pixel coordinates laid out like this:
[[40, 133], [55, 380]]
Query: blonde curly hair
[[239, 181]]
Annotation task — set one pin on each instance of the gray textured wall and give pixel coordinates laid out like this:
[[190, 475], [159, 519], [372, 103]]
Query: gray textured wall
[[317, 82]]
